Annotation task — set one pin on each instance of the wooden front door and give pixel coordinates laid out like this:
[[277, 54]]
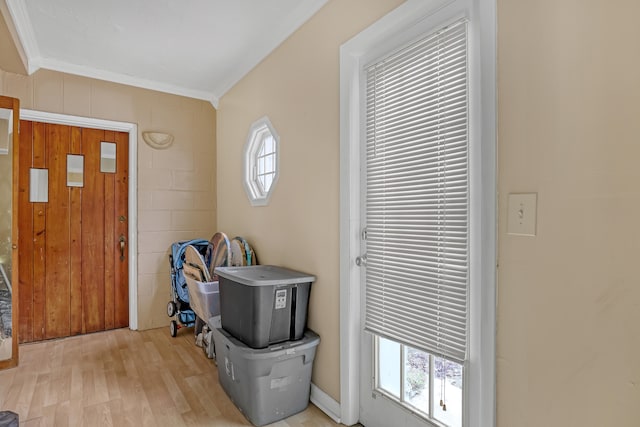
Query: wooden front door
[[73, 247]]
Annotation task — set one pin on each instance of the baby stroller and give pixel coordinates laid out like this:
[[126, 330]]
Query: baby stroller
[[179, 304]]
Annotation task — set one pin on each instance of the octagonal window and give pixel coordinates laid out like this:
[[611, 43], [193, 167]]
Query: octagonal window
[[261, 162]]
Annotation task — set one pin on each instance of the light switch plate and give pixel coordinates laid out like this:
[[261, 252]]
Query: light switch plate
[[521, 216]]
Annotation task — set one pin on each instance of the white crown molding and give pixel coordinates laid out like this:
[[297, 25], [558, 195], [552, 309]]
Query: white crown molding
[[69, 120], [24, 36], [25, 40], [26, 43], [79, 70], [267, 45], [215, 101]]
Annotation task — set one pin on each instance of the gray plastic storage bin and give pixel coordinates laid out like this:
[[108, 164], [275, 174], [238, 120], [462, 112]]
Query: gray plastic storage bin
[[269, 384], [264, 304], [204, 298]]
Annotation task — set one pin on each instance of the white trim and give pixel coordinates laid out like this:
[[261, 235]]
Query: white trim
[[22, 24], [351, 58], [325, 403], [481, 394], [79, 70], [132, 129], [33, 59], [254, 191], [482, 380], [349, 223]]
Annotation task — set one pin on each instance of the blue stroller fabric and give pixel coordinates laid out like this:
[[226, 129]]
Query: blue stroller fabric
[[177, 252]]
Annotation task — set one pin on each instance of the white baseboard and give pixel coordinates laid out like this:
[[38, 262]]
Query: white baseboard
[[325, 403]]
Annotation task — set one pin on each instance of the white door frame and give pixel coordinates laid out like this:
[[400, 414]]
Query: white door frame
[[482, 403], [132, 129]]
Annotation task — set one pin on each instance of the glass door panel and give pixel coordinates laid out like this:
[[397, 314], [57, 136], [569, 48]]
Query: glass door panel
[[9, 119], [429, 387]]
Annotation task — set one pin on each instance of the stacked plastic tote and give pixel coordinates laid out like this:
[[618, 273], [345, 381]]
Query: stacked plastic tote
[[264, 352], [195, 291]]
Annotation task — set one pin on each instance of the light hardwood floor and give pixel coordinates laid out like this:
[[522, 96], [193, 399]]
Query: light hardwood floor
[[124, 378]]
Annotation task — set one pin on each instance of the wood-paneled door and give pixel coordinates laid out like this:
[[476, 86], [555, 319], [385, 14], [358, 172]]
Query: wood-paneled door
[[73, 247]]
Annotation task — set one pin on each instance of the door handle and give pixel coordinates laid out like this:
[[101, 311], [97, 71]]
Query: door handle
[[123, 241], [361, 261]]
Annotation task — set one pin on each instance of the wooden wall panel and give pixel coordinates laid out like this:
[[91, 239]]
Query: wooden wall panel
[[57, 291], [25, 236], [39, 238], [122, 228], [75, 242], [93, 234], [111, 246]]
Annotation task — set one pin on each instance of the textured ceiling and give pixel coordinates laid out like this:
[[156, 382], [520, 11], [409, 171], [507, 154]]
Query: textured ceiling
[[196, 48]]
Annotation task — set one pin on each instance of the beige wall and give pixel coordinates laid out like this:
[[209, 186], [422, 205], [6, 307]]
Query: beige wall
[[9, 56], [176, 186], [297, 87], [569, 129], [569, 298]]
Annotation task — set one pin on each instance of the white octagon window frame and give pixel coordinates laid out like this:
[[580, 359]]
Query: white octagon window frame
[[259, 131]]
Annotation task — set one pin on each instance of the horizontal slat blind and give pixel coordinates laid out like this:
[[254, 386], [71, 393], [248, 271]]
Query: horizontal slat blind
[[417, 204]]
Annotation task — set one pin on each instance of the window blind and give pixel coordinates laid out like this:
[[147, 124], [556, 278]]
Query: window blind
[[417, 194]]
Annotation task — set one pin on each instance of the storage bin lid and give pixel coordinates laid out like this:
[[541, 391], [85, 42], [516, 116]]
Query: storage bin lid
[[287, 349], [264, 275]]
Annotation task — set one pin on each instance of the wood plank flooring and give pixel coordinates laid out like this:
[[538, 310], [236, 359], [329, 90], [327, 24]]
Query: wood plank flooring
[[124, 378]]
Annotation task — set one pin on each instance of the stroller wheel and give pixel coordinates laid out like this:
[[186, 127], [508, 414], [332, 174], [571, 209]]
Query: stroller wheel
[[173, 328], [171, 309]]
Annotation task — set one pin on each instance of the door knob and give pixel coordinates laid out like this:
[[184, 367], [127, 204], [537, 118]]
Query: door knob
[[361, 261]]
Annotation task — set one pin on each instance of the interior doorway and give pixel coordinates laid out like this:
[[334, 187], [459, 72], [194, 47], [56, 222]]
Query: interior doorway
[[361, 389], [73, 204], [131, 129]]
